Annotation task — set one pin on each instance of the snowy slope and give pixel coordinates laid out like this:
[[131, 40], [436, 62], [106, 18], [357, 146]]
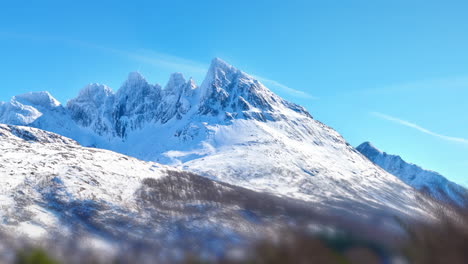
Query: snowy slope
[[231, 129], [53, 188], [38, 165], [427, 181]]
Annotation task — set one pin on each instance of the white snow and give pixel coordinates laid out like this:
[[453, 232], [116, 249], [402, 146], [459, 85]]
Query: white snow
[[86, 173], [231, 129]]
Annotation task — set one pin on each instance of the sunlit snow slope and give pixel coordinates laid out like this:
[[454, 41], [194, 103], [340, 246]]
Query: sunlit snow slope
[[53, 188]]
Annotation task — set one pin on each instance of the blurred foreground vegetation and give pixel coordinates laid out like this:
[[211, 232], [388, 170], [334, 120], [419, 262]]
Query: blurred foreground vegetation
[[444, 240], [34, 256]]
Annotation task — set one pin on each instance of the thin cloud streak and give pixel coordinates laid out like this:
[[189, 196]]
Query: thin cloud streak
[[453, 83], [285, 88], [164, 61], [419, 128], [149, 57], [152, 58]]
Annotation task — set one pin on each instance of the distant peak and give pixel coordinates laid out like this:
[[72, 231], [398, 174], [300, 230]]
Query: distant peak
[[219, 64], [135, 77], [191, 82], [177, 76], [135, 81], [96, 88], [219, 75], [176, 80], [42, 98], [218, 61], [94, 91], [367, 147], [190, 86], [367, 144]]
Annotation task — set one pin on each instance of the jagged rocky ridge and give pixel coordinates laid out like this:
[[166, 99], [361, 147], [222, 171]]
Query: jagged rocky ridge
[[231, 129], [429, 182]]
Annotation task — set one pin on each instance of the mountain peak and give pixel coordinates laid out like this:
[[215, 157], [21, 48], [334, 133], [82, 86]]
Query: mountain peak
[[95, 89], [192, 83], [220, 75], [220, 70], [218, 63], [368, 148], [367, 145], [136, 85], [176, 81], [135, 76], [370, 151], [228, 89], [41, 99], [92, 94]]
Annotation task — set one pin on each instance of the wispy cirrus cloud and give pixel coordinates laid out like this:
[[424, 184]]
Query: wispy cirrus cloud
[[285, 88], [419, 128], [162, 60], [453, 83]]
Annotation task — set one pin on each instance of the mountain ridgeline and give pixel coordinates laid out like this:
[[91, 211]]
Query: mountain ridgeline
[[230, 129], [226, 93], [426, 181]]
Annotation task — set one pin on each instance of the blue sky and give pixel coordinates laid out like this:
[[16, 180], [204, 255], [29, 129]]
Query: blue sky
[[391, 72]]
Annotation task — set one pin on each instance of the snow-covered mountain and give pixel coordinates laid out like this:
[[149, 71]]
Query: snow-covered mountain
[[427, 181], [53, 188], [79, 201], [231, 129]]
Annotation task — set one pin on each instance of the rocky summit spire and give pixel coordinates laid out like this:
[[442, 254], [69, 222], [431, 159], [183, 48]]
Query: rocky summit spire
[[220, 75], [227, 89], [136, 88], [369, 149], [94, 92], [135, 76], [218, 64], [176, 82]]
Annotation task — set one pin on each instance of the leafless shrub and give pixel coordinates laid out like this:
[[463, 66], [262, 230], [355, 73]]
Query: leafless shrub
[[440, 240], [299, 247]]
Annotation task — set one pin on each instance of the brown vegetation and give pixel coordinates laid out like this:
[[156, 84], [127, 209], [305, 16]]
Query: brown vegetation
[[444, 240]]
